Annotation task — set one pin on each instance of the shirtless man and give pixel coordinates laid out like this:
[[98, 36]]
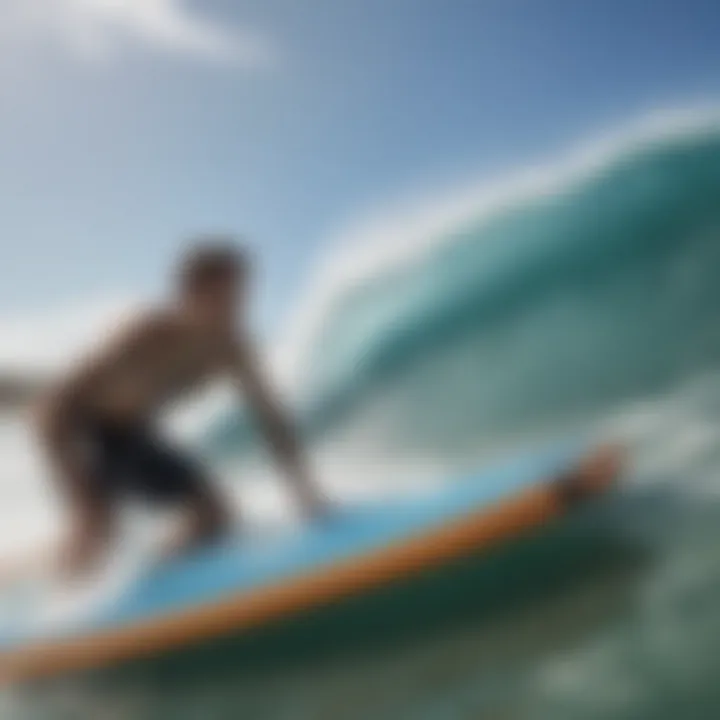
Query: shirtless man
[[98, 425]]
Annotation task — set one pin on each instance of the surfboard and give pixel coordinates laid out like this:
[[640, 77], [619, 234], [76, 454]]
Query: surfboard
[[247, 583]]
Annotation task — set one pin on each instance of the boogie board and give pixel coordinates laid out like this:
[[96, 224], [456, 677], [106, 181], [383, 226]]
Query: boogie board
[[247, 583]]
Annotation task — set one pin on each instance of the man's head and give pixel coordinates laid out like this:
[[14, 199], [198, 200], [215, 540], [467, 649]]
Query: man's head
[[212, 278]]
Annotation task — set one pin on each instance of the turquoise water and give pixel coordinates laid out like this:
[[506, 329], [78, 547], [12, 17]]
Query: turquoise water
[[592, 304], [548, 305]]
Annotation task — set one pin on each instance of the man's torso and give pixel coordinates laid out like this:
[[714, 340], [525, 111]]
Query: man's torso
[[168, 363]]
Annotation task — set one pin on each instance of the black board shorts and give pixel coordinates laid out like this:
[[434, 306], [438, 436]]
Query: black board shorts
[[136, 460]]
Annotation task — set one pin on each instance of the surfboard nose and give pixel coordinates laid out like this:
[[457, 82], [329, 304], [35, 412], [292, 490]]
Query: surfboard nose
[[592, 474]]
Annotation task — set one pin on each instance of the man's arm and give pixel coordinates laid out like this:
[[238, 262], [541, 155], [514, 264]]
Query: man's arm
[[275, 425]]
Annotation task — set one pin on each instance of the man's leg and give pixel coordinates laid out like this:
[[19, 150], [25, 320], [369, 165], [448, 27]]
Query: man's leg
[[204, 521], [75, 553], [92, 523], [169, 476], [207, 519], [80, 484]]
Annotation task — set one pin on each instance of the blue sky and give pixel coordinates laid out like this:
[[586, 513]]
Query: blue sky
[[126, 126]]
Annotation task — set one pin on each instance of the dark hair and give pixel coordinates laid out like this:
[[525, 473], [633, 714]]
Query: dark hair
[[210, 259]]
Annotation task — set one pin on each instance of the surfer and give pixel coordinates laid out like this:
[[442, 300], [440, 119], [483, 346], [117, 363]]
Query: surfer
[[99, 424]]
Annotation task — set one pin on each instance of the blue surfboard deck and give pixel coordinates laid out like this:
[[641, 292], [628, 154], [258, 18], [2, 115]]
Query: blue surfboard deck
[[244, 565]]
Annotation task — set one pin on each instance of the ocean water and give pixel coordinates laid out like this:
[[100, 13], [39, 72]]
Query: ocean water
[[582, 298]]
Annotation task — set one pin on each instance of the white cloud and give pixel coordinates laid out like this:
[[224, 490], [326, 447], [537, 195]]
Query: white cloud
[[96, 29], [45, 341]]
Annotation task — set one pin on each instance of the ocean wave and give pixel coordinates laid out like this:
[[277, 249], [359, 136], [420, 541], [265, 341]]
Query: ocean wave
[[592, 282]]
